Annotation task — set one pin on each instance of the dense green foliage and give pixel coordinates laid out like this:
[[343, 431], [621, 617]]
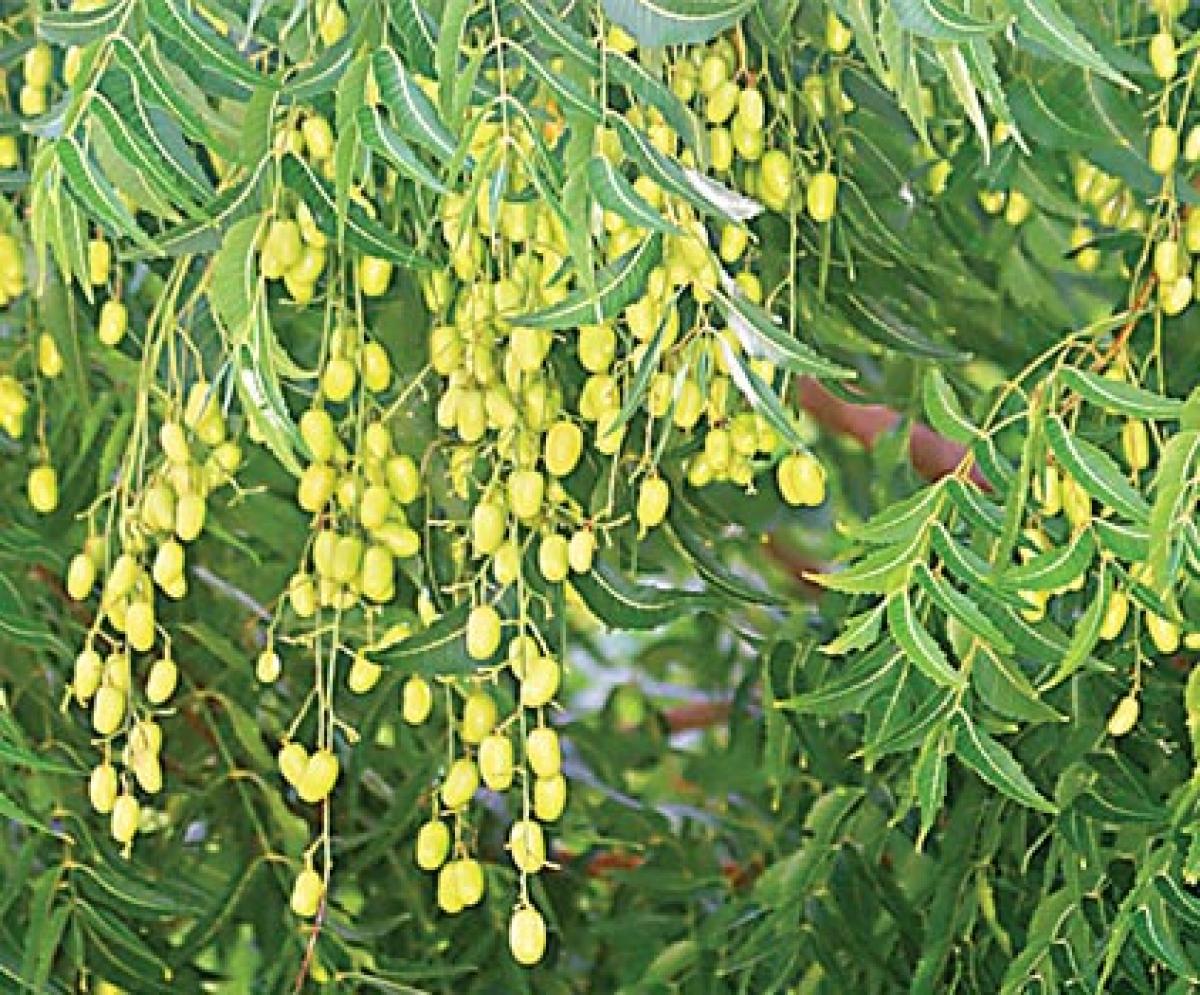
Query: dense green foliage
[[387, 383]]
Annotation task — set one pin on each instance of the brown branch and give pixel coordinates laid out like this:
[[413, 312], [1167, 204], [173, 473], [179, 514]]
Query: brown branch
[[933, 456]]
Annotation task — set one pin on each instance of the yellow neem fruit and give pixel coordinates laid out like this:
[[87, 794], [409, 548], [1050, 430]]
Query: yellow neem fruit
[[469, 881], [42, 486], [496, 761], [374, 276], [1115, 615], [734, 239], [10, 155], [339, 379], [122, 577], [118, 671], [139, 625], [319, 435], [526, 489], [554, 558], [403, 479], [1163, 633], [543, 751], [161, 681], [319, 777], [1164, 149], [721, 102], [99, 261], [307, 893], [364, 674], [417, 700], [268, 667], [654, 497], [1169, 262], [527, 936], [506, 563], [293, 762], [483, 632], [378, 576], [581, 550], [38, 65], [375, 507], [347, 558], [376, 368], [462, 781], [1017, 209], [108, 709], [50, 361], [775, 176], [113, 321], [102, 788], [433, 845], [563, 446], [478, 718], [1174, 297], [190, 511], [549, 797], [81, 576], [837, 36], [1076, 502], [147, 770], [540, 678], [448, 898], [488, 527], [316, 486], [302, 593], [86, 675], [318, 136], [1163, 59], [527, 845], [801, 480], [1124, 717], [126, 812], [821, 196], [1135, 441]]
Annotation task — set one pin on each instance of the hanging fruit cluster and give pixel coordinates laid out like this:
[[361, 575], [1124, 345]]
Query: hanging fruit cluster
[[580, 379]]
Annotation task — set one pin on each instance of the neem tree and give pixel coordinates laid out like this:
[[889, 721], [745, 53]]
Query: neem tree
[[406, 406]]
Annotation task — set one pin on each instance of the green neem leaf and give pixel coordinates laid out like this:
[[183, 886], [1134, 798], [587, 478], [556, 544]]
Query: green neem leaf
[[640, 385], [79, 27], [903, 729], [21, 626], [880, 325], [96, 194], [418, 33], [10, 810], [321, 76], [761, 397], [1005, 690], [881, 572], [858, 632], [161, 84], [1126, 542], [850, 690], [175, 21], [957, 605], [943, 410], [929, 779], [414, 113], [1055, 568], [570, 97], [362, 231], [382, 139], [939, 21], [921, 649], [438, 650], [1086, 633], [706, 196], [958, 72], [762, 338], [1096, 472], [675, 22], [1120, 396], [1044, 25], [619, 283], [556, 34], [1156, 934], [234, 287], [993, 762], [975, 508], [860, 15], [903, 519], [616, 194], [968, 567], [255, 357], [1174, 500], [612, 598], [699, 552]]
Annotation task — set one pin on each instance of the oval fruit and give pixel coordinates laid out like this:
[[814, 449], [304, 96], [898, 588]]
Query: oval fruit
[[527, 936], [307, 893], [483, 632], [433, 845], [462, 781], [417, 700]]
